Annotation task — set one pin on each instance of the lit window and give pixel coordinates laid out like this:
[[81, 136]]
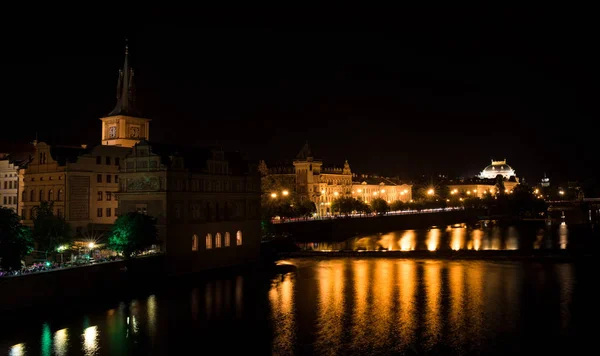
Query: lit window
[[108, 195], [99, 212], [227, 239], [195, 242], [238, 238], [218, 240], [208, 241], [108, 212], [51, 195], [99, 195], [59, 196], [41, 195]]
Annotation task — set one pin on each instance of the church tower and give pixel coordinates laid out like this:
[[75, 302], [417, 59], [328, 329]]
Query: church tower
[[124, 126]]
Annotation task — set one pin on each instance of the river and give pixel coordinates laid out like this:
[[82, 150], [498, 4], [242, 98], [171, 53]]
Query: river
[[334, 306]]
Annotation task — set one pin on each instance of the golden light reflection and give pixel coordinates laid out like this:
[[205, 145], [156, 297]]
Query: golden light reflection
[[17, 350], [330, 306], [475, 301], [194, 301], [539, 238], [382, 317], [61, 342], [282, 306], [512, 238], [564, 272], [433, 239], [408, 241], [457, 240], [494, 240], [457, 315], [388, 241], [433, 295], [239, 284], [360, 317], [476, 238], [407, 287], [208, 300], [151, 309], [563, 235], [90, 340]]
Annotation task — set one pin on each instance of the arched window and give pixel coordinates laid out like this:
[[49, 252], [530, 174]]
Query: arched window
[[195, 242], [41, 195], [32, 195], [218, 240], [208, 241], [238, 238], [227, 239], [59, 196], [24, 196], [51, 195]]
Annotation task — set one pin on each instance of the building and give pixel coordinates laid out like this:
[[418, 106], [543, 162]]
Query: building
[[9, 177], [206, 202], [80, 182], [485, 183], [497, 168], [311, 180]]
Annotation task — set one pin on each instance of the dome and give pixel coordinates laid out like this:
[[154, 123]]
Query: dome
[[497, 167]]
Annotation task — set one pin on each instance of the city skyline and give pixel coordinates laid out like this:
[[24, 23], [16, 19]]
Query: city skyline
[[393, 97]]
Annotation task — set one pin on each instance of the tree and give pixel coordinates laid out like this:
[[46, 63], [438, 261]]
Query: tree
[[132, 233], [380, 206], [344, 205], [305, 208], [50, 231], [397, 205], [15, 240], [500, 184]]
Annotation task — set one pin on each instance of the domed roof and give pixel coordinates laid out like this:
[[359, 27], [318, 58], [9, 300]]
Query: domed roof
[[496, 168]]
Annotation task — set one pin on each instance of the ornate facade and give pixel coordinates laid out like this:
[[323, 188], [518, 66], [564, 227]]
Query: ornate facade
[[322, 185], [206, 201]]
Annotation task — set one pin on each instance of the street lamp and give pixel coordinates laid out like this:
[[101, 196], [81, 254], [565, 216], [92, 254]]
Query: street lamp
[[285, 193], [430, 192], [273, 195]]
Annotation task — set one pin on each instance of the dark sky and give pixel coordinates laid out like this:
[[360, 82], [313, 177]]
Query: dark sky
[[394, 91]]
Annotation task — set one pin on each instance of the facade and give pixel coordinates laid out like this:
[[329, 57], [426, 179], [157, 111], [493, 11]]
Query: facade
[[497, 168], [80, 182], [206, 201], [322, 185]]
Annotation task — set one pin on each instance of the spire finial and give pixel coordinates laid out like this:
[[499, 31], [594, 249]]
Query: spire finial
[[126, 47]]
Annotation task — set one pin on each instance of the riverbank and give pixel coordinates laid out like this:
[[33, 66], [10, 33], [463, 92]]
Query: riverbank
[[541, 255]]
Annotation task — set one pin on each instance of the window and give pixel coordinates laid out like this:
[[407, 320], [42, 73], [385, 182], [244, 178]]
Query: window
[[107, 160], [218, 240], [195, 211], [238, 238], [108, 212], [116, 211], [98, 159], [5, 184], [41, 195], [208, 241], [99, 212], [24, 196], [116, 178], [99, 178], [32, 213], [5, 201], [142, 208], [195, 242], [59, 195], [108, 178], [59, 212], [99, 195], [117, 162], [108, 196], [23, 213], [51, 195], [227, 239]]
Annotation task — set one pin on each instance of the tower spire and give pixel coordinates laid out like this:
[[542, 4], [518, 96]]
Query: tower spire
[[125, 90]]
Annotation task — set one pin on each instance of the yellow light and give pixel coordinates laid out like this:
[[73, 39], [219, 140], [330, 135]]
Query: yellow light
[[323, 191], [405, 191], [389, 201], [285, 192], [447, 199], [453, 192], [468, 192], [401, 193], [353, 192], [374, 193], [273, 195], [537, 191], [91, 245], [360, 190], [474, 190], [430, 192], [561, 192], [383, 190], [461, 199], [336, 193]]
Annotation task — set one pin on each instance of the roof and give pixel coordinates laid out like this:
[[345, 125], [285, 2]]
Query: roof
[[125, 91], [371, 180]]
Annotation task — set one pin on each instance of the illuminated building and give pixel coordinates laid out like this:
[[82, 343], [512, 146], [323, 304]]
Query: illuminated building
[[322, 185], [485, 183], [9, 172], [206, 202], [497, 168]]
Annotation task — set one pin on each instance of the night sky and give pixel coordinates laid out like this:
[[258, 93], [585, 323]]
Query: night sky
[[394, 91]]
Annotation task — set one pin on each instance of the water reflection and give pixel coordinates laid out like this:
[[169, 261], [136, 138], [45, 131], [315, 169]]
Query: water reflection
[[61, 342], [433, 296], [90, 340], [407, 288], [17, 350], [458, 238], [433, 239], [282, 305], [563, 234]]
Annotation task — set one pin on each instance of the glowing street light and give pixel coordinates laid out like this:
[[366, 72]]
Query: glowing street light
[[336, 193], [285, 193], [561, 192], [430, 192], [273, 195]]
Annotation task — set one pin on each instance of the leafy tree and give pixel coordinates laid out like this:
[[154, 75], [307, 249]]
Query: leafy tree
[[132, 233], [500, 185], [305, 208], [15, 240], [380, 206], [361, 207], [398, 205], [344, 205], [49, 230]]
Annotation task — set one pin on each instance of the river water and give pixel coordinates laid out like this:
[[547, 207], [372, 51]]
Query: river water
[[343, 306]]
